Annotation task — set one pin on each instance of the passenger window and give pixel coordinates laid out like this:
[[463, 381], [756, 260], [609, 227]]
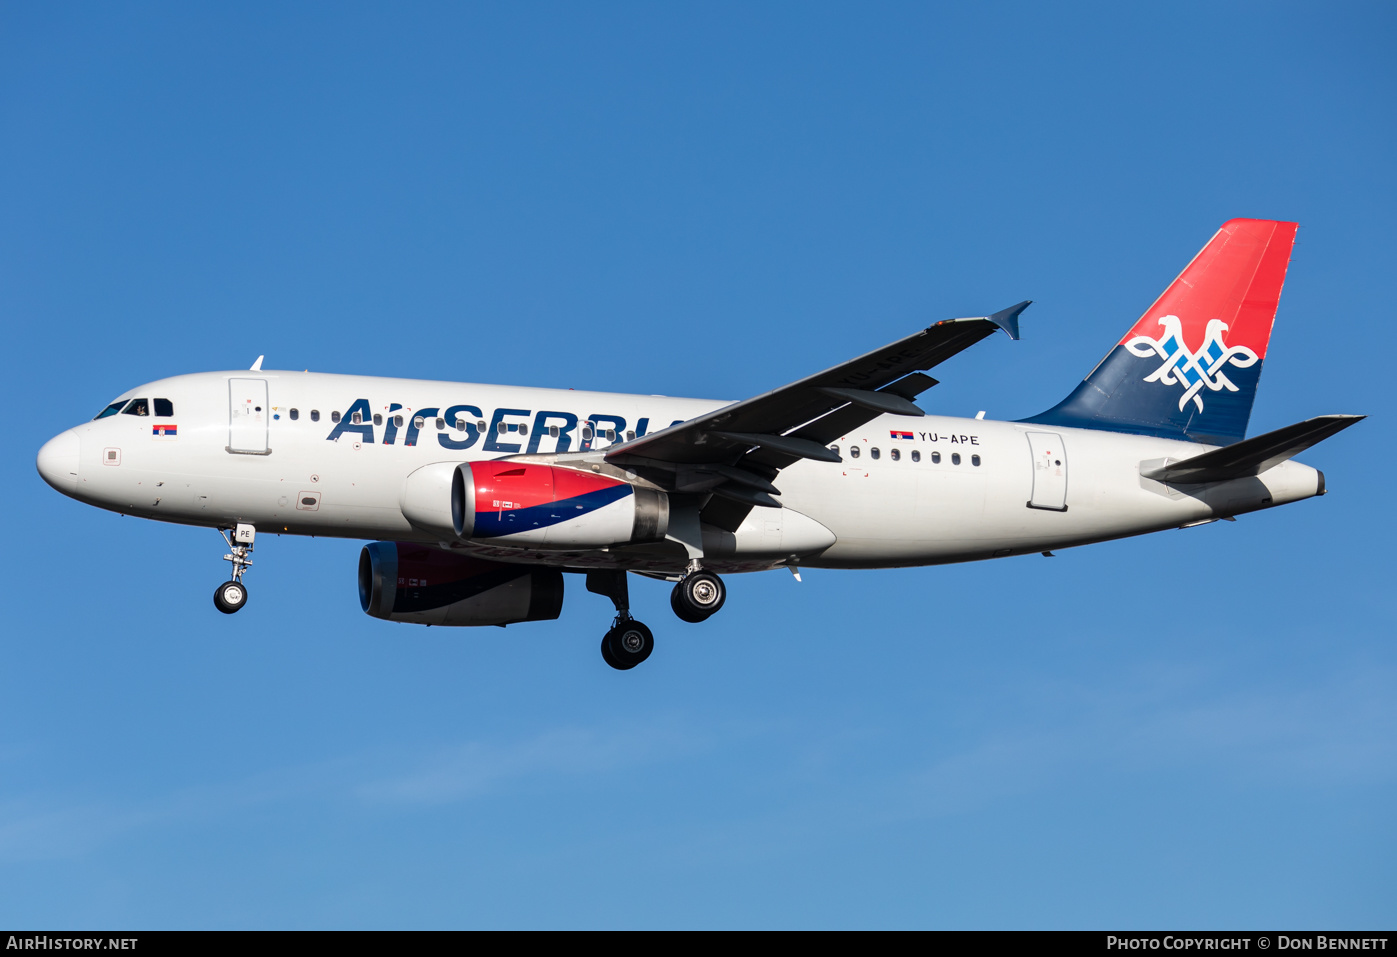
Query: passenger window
[[295, 414], [955, 458], [523, 429], [315, 415], [586, 432], [894, 454], [501, 428], [874, 452], [112, 409], [630, 434], [853, 451], [378, 419], [975, 460], [552, 431], [834, 449], [441, 424], [611, 435], [335, 416], [418, 422], [916, 456], [397, 421], [935, 458], [460, 425], [480, 426], [136, 407], [164, 407]]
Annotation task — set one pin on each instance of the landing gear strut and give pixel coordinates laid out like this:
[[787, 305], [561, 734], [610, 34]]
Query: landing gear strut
[[697, 595], [232, 594], [629, 642]]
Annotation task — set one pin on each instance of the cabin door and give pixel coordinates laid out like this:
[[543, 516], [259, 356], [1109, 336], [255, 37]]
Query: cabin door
[[247, 416], [1049, 471]]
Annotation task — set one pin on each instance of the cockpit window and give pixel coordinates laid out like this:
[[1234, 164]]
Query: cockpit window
[[112, 409], [164, 407], [136, 407]]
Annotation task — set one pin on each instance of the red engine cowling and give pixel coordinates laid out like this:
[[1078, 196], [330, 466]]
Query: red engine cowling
[[531, 506], [404, 581]]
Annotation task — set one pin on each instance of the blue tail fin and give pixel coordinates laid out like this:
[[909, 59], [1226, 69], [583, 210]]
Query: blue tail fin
[[1190, 366]]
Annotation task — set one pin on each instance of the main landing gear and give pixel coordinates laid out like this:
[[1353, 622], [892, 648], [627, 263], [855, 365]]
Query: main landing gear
[[232, 594], [696, 596], [629, 642]]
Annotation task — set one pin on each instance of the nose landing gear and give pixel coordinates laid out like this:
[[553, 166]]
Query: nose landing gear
[[232, 594]]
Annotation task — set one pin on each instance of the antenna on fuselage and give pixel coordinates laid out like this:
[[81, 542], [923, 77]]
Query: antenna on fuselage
[[257, 366]]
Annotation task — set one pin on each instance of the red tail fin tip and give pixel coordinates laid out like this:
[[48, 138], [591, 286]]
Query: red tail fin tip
[[1235, 279]]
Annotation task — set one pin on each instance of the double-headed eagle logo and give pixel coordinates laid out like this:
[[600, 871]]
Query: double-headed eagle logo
[[1192, 370]]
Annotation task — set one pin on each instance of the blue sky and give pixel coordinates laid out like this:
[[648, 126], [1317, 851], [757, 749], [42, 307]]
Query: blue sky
[[1197, 728]]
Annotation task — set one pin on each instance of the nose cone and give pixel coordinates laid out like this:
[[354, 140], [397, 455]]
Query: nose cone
[[58, 461]]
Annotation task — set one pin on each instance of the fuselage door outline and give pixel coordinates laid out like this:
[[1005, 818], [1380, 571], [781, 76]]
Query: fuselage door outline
[[247, 416], [1049, 471]]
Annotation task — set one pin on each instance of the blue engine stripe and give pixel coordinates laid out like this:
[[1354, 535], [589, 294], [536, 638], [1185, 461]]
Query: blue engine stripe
[[494, 524]]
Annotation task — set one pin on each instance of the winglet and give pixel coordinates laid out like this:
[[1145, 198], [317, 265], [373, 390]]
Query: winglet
[[1008, 319], [257, 366]]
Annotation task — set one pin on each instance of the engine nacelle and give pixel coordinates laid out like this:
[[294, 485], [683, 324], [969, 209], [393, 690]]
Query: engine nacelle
[[539, 506], [404, 581], [435, 498]]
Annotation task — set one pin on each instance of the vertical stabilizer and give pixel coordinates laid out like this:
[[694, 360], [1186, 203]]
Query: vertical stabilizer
[[1190, 366]]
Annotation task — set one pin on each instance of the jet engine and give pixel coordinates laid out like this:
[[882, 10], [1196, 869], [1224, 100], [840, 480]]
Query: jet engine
[[528, 505], [404, 581]]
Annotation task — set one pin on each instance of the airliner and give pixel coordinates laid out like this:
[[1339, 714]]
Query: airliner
[[481, 500]]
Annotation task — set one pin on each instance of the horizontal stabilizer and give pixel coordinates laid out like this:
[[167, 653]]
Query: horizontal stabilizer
[[1252, 456]]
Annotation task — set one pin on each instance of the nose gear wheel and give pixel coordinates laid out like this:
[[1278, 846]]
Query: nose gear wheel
[[229, 597]]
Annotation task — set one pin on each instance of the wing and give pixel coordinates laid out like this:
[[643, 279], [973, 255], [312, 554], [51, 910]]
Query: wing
[[737, 450]]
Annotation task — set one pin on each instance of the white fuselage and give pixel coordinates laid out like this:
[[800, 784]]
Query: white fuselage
[[882, 509]]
